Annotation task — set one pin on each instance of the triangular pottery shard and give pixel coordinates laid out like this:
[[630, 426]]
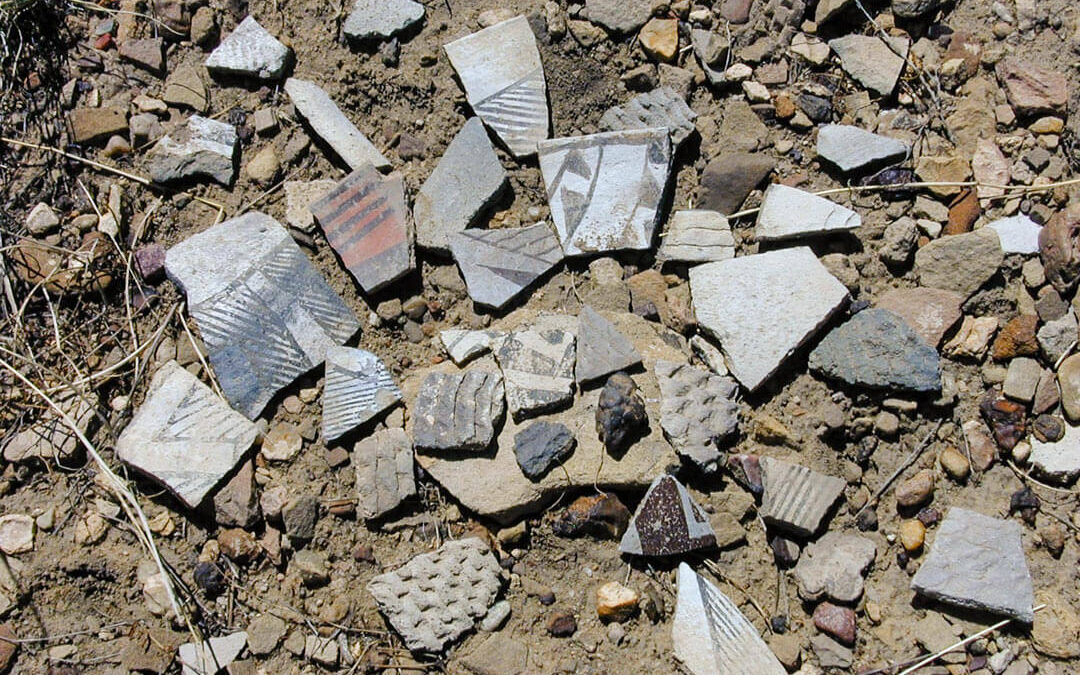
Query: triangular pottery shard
[[667, 522], [712, 637], [503, 77]]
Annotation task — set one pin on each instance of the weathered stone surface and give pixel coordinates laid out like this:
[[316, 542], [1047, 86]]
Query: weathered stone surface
[[873, 63], [147, 53], [384, 472], [667, 522], [913, 9], [795, 498], [660, 107], [712, 50], [711, 636], [498, 265], [697, 236], [299, 196], [203, 148], [212, 656], [1059, 249], [358, 387], [185, 89], [250, 51], [977, 562], [1058, 461], [850, 148], [16, 533], [833, 567], [377, 19], [605, 190], [930, 312], [960, 263], [464, 184], [237, 504], [50, 438], [367, 222], [878, 349], [989, 165], [185, 437], [1018, 234], [729, 178], [1031, 89], [788, 212], [619, 16], [499, 654], [435, 598], [540, 445], [503, 77], [601, 348], [90, 125], [698, 412], [469, 478], [265, 312], [331, 125], [458, 411], [972, 338], [538, 370], [1021, 379], [944, 169], [762, 307]]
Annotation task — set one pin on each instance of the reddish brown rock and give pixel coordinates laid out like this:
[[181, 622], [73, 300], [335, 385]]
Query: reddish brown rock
[[963, 212], [839, 622], [1032, 89], [1017, 338], [916, 490], [7, 649], [1059, 248], [1005, 418], [1047, 395], [596, 515], [980, 446], [562, 624], [238, 544]]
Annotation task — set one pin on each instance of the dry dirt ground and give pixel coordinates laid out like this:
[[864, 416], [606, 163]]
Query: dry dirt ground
[[90, 596]]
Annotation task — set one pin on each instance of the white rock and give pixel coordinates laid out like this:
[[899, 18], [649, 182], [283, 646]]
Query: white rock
[[331, 125], [762, 307], [711, 636], [851, 148], [16, 534], [1058, 460], [373, 19], [755, 92], [504, 82], [250, 50], [213, 656], [788, 212], [1018, 234], [42, 219]]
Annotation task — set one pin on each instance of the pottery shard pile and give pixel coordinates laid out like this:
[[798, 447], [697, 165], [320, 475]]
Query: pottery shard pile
[[331, 125], [787, 213], [435, 598], [697, 411], [660, 107], [384, 472], [503, 77], [697, 236], [795, 498], [466, 181], [605, 190], [601, 348], [458, 411], [184, 436], [499, 264], [667, 522], [538, 370], [711, 636], [250, 50], [266, 314], [358, 387], [762, 307], [977, 562], [367, 222]]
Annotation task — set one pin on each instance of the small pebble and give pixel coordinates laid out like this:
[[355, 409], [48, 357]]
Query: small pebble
[[912, 535]]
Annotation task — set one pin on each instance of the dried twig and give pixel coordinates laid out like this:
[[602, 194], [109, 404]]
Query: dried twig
[[912, 457]]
